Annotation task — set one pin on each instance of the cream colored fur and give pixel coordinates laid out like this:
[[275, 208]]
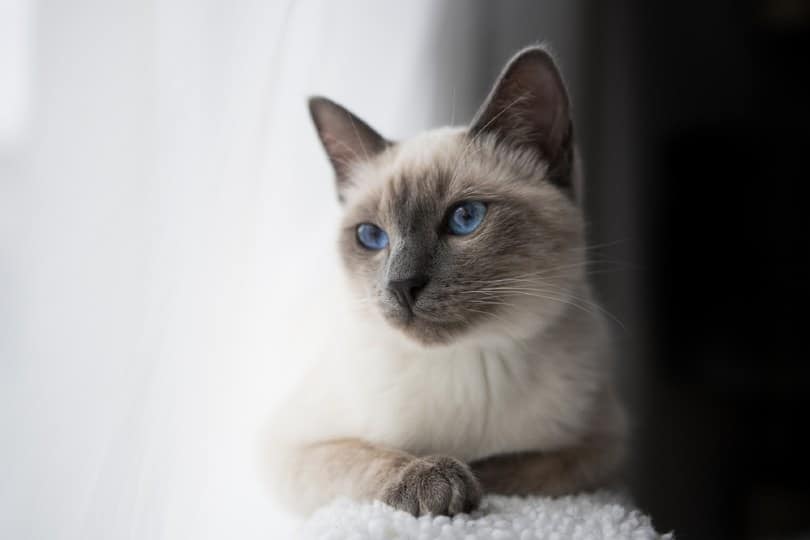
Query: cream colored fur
[[374, 399]]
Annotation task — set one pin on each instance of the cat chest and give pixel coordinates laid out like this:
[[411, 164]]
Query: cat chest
[[468, 411]]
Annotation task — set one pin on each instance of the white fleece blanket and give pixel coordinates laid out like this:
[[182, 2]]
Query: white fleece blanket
[[598, 516]]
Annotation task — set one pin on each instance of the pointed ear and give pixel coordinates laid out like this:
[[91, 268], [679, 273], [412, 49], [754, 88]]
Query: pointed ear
[[528, 107], [345, 137]]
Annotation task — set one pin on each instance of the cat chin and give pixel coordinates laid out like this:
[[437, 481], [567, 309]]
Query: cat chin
[[419, 332], [426, 333]]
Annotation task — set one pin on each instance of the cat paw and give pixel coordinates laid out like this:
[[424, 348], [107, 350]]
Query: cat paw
[[438, 485]]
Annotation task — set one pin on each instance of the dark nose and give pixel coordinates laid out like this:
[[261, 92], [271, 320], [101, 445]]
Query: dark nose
[[407, 290]]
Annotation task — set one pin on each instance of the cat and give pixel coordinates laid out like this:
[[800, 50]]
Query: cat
[[467, 355]]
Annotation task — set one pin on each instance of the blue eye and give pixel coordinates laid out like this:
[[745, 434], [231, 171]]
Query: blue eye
[[466, 217], [371, 237]]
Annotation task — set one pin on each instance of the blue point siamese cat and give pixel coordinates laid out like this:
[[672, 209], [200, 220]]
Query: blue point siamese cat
[[466, 355]]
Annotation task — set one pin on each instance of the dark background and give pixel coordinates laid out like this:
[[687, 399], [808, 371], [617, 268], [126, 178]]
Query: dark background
[[697, 166]]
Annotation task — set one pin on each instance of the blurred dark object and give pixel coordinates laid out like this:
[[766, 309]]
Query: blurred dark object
[[716, 155]]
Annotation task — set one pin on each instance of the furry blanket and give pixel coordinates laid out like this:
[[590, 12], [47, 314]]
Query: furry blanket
[[598, 516]]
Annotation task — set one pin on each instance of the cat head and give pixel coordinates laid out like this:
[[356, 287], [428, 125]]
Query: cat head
[[463, 232]]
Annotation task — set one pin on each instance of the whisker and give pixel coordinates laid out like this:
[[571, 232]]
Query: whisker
[[550, 294], [493, 315], [544, 272], [599, 246]]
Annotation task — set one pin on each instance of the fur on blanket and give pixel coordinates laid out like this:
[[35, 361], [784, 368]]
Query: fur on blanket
[[596, 516]]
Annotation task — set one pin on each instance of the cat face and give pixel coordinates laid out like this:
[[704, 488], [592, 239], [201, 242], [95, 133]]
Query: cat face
[[463, 232]]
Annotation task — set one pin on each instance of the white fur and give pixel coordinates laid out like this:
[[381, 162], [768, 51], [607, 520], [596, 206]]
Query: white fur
[[471, 400], [529, 382], [584, 517]]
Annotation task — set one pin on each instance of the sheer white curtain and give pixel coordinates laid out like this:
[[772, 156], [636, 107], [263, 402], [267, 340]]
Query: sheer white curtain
[[164, 205]]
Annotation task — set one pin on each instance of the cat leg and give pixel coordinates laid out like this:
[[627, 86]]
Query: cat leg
[[592, 465], [360, 470]]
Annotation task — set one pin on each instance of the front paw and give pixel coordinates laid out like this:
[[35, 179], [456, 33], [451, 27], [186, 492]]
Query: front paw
[[434, 485]]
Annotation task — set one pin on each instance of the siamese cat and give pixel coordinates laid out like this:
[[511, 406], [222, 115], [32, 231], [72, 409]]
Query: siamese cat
[[466, 355]]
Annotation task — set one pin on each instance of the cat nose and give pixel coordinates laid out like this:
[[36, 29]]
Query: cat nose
[[407, 290]]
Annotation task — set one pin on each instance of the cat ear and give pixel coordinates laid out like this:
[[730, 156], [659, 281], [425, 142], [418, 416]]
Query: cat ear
[[528, 107], [345, 137]]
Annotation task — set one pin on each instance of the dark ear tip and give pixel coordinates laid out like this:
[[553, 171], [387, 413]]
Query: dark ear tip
[[315, 100], [317, 103], [537, 53]]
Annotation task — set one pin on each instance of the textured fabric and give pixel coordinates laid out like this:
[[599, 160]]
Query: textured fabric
[[599, 516]]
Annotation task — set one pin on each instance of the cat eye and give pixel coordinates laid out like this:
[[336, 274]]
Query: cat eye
[[466, 217], [371, 237]]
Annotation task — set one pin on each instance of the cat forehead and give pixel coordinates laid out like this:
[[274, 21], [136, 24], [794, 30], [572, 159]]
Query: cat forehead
[[418, 157], [441, 163], [435, 148]]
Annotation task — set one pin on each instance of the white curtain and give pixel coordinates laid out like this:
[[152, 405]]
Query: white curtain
[[163, 205]]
